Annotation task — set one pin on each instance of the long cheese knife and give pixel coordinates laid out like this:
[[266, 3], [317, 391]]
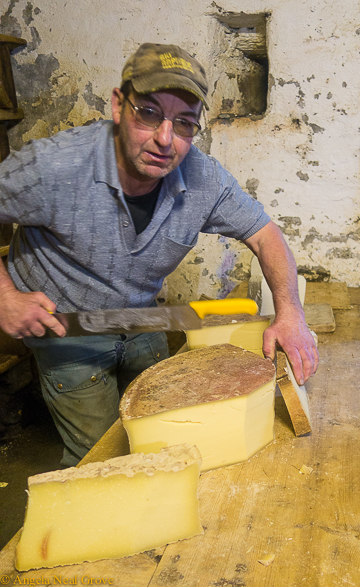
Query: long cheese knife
[[168, 318]]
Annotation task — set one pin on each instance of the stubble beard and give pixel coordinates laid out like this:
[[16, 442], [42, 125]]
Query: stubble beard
[[134, 166]]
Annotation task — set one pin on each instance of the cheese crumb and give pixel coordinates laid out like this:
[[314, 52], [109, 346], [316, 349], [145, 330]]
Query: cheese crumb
[[267, 560]]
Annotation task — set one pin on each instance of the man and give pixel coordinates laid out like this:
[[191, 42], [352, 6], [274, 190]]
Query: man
[[105, 213]]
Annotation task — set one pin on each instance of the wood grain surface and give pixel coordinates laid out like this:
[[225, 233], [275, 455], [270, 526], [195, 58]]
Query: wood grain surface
[[266, 506], [320, 317], [295, 397], [335, 294]]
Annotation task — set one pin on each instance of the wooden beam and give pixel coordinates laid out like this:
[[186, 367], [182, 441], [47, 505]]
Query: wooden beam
[[13, 42], [11, 114]]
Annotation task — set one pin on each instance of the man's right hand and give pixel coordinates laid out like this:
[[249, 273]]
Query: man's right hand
[[27, 314]]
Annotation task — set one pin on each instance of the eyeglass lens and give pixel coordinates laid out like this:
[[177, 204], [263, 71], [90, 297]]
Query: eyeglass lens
[[151, 117]]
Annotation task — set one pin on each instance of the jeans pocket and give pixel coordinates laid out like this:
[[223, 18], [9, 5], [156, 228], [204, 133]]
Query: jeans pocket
[[77, 376], [159, 346]]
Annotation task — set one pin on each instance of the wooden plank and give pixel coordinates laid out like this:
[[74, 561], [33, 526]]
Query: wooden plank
[[320, 317], [12, 114], [310, 521], [7, 85], [13, 42], [295, 396], [4, 143], [183, 349], [335, 294], [267, 506], [8, 361], [354, 294], [114, 443]]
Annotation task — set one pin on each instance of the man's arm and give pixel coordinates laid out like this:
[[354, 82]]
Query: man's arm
[[289, 330], [25, 314]]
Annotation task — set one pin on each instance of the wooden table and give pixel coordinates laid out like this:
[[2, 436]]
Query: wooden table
[[266, 506]]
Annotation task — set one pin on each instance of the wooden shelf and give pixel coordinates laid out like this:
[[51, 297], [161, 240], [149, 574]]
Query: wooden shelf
[[13, 42]]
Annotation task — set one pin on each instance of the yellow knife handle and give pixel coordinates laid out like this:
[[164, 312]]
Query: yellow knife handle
[[226, 306]]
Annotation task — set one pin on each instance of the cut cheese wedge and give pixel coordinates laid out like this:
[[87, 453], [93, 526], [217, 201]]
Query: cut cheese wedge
[[238, 329], [220, 398], [117, 508]]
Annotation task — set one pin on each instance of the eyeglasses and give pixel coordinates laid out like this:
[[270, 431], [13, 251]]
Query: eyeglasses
[[154, 118]]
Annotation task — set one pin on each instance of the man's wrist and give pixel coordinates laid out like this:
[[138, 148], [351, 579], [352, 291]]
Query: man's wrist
[[7, 289], [290, 311]]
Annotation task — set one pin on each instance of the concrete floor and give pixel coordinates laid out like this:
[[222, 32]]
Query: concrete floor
[[34, 446]]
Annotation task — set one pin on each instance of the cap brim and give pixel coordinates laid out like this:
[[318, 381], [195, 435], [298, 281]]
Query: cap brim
[[154, 83]]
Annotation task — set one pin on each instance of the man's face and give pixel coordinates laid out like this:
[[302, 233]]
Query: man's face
[[147, 154]]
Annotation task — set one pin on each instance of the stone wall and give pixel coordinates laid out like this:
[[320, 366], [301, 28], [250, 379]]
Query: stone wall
[[284, 116]]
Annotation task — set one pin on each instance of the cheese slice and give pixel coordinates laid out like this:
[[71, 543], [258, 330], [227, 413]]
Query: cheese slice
[[220, 398], [240, 330], [117, 508]]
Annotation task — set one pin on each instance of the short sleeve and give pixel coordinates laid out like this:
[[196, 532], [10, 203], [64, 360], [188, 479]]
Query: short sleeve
[[236, 214], [21, 188]]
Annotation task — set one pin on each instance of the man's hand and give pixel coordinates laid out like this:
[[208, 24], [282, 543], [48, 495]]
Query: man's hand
[[291, 334], [27, 314], [289, 331]]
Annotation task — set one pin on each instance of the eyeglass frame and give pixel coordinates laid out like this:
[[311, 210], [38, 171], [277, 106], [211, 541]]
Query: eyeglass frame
[[139, 108]]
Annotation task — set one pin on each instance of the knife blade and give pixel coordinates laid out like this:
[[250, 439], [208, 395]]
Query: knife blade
[[133, 320]]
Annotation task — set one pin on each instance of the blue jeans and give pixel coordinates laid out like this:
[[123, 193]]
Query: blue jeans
[[83, 379]]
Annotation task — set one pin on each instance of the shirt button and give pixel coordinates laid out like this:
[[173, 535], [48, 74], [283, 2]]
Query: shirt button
[[93, 378], [125, 223], [60, 386]]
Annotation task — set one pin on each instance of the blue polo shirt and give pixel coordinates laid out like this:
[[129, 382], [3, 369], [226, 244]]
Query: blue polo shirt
[[76, 241]]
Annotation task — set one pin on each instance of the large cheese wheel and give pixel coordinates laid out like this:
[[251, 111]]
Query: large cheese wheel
[[219, 398]]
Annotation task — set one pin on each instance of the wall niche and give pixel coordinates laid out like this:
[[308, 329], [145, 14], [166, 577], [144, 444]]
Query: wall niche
[[241, 65]]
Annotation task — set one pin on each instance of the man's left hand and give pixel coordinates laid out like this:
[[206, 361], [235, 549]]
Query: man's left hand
[[292, 335]]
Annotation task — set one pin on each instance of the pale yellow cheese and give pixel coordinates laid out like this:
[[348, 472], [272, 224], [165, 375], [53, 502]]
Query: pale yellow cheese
[[117, 508], [220, 398], [226, 432], [239, 330]]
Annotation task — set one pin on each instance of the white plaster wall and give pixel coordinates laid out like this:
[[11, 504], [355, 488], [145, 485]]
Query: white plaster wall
[[301, 158]]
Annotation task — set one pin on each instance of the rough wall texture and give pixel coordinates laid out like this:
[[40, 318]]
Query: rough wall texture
[[300, 158]]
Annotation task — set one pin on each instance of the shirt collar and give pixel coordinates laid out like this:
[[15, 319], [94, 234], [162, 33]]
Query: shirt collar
[[105, 167], [174, 182]]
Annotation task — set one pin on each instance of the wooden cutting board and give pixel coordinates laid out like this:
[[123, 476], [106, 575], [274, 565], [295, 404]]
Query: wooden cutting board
[[309, 520], [335, 294], [320, 317]]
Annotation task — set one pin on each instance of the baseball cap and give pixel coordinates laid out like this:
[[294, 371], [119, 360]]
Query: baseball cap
[[155, 67]]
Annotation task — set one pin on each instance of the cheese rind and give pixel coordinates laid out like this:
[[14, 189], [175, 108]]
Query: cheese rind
[[220, 398], [200, 376], [113, 509]]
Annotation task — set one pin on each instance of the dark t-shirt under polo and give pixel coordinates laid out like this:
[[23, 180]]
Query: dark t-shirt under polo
[[142, 207]]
